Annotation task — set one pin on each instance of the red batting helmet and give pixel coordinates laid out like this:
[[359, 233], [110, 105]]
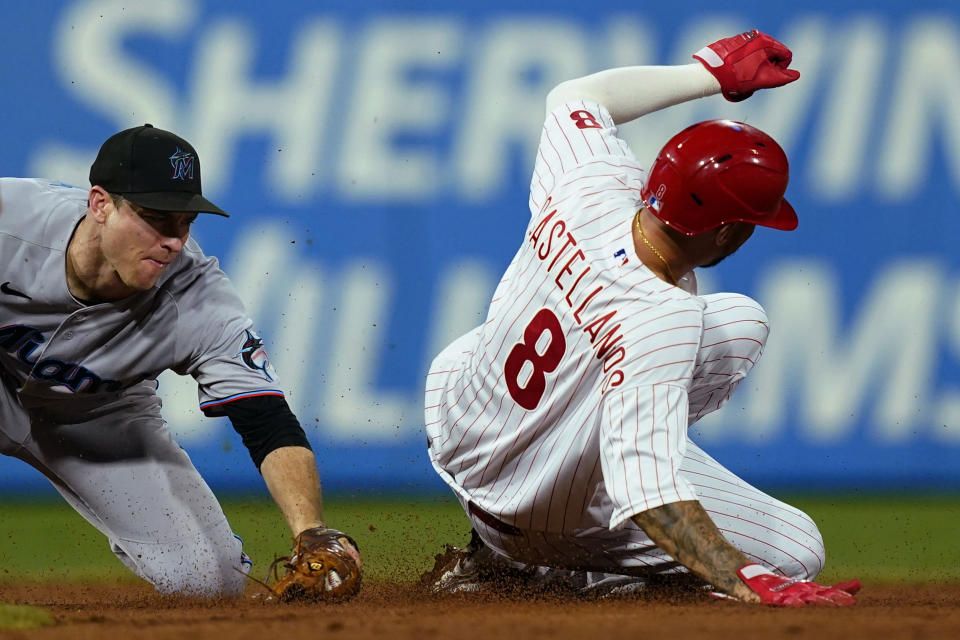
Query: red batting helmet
[[716, 172]]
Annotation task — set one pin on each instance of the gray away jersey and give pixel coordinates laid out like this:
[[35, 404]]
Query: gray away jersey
[[53, 347]]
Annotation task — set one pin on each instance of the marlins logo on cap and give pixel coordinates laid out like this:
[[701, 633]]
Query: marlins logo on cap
[[182, 163]]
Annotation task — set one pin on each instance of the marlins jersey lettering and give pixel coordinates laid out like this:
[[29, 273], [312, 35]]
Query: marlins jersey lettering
[[577, 383], [55, 347]]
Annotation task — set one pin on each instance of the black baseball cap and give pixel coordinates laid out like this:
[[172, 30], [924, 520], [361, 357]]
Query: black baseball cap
[[152, 168]]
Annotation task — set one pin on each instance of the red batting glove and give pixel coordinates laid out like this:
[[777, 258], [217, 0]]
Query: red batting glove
[[785, 592], [747, 62]]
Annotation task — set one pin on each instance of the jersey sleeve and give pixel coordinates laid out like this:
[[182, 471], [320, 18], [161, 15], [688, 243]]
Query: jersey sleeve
[[643, 430], [643, 441], [223, 352], [576, 135]]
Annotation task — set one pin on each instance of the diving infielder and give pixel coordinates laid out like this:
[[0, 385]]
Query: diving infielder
[[101, 290], [561, 422]]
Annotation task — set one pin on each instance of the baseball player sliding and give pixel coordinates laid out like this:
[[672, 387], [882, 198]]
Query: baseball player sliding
[[100, 291], [561, 422]]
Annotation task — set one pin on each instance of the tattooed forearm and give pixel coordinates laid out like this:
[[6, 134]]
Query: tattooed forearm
[[686, 532]]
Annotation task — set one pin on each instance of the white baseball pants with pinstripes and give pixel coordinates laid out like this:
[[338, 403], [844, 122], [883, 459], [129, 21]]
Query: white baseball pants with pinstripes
[[765, 529], [118, 466]]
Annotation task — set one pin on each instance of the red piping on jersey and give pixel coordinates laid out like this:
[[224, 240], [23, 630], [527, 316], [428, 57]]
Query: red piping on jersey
[[240, 396]]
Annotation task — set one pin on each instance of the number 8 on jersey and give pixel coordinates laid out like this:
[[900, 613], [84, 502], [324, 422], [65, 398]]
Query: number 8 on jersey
[[528, 396]]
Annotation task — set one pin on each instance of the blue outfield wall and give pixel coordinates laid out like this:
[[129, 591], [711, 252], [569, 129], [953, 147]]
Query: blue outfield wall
[[376, 158]]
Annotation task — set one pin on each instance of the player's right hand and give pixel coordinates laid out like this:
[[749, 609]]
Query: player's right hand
[[747, 62], [785, 592]]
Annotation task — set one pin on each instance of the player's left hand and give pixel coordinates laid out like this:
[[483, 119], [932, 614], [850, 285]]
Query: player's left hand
[[324, 566], [747, 62], [784, 592]]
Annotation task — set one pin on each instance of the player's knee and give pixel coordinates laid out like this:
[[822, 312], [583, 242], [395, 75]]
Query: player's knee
[[189, 569], [222, 576], [753, 322], [816, 555], [742, 327], [806, 556], [805, 565]]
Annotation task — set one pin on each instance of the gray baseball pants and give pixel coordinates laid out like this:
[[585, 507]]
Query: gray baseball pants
[[118, 466]]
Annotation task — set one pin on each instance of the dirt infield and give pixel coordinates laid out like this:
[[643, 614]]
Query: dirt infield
[[398, 612]]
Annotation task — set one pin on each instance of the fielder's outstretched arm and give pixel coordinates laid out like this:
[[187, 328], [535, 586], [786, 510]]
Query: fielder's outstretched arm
[[279, 448], [686, 532], [290, 474], [324, 563]]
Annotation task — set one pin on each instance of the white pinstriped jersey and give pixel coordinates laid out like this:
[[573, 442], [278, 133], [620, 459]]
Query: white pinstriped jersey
[[578, 381]]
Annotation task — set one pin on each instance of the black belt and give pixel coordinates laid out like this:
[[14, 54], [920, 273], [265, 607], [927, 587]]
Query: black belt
[[491, 521]]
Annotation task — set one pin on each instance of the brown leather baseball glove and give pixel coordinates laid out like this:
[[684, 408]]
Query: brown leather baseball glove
[[324, 566]]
